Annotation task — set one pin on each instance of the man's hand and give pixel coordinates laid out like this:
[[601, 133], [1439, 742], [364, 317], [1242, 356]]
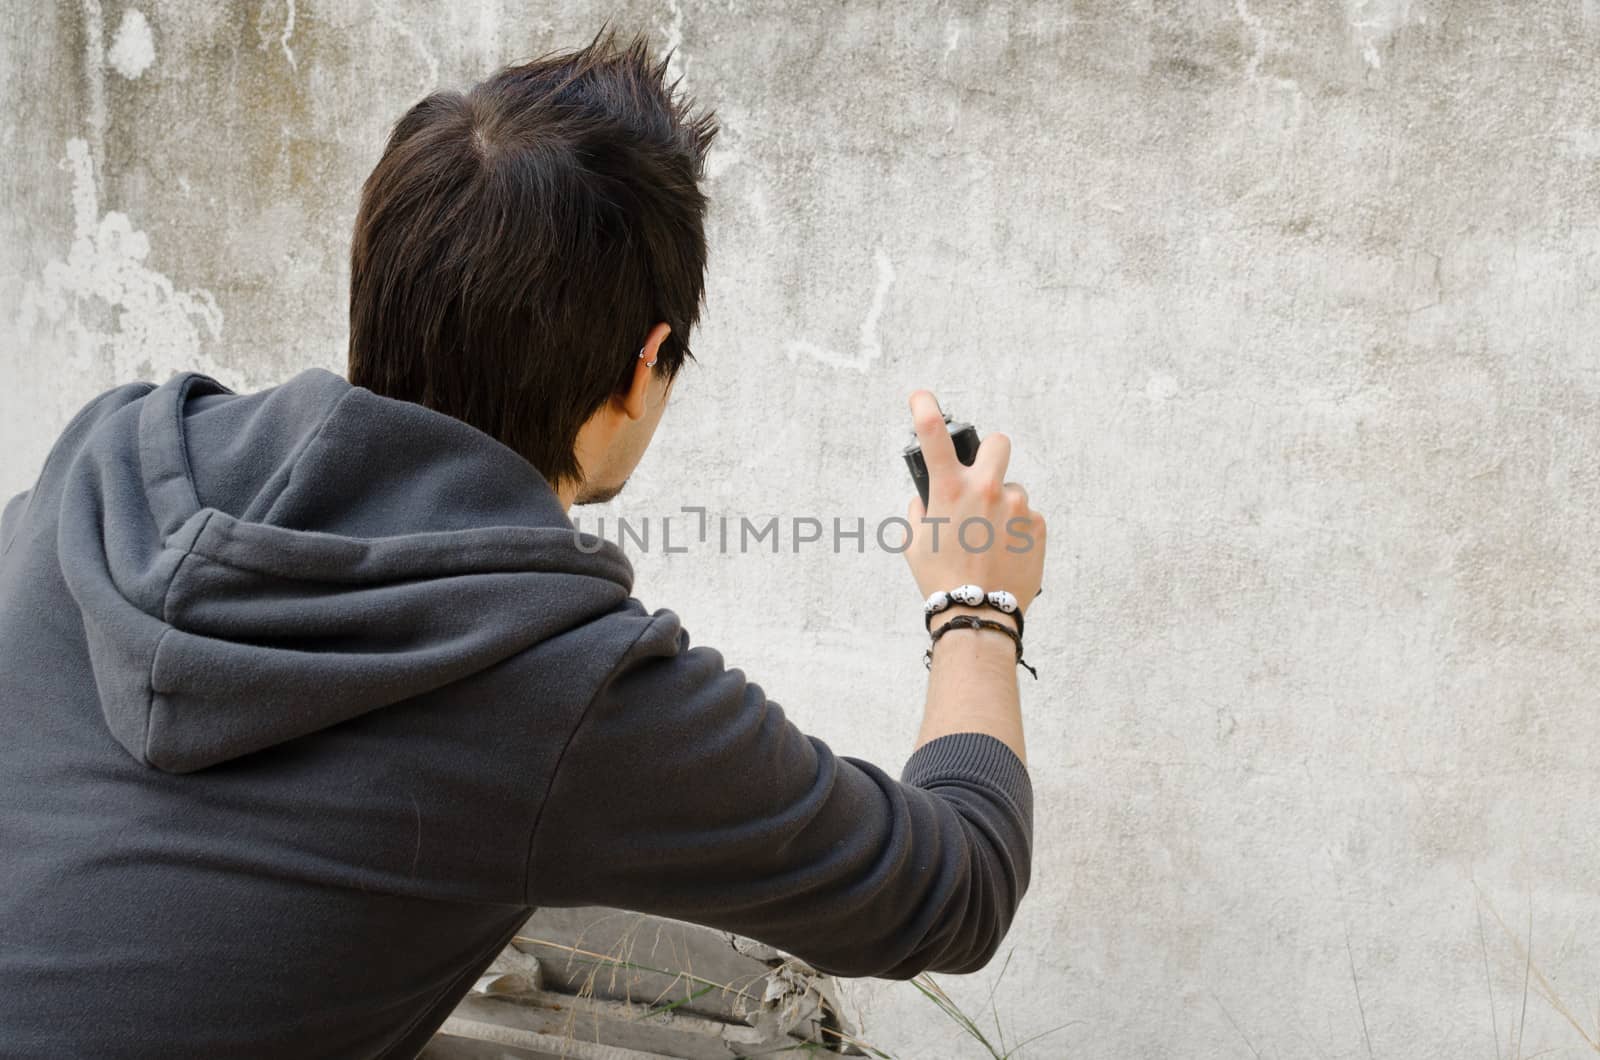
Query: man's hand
[[978, 528], [986, 536]]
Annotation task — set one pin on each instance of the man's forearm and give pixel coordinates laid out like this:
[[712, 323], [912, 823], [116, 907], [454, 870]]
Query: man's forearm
[[973, 684]]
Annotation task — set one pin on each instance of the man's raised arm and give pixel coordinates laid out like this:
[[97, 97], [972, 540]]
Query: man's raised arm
[[683, 791]]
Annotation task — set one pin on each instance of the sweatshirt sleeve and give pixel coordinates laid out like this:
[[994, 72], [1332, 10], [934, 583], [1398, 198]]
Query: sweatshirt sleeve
[[685, 792]]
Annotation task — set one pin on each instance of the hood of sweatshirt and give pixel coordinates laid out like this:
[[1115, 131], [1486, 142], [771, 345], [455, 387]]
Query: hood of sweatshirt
[[254, 568]]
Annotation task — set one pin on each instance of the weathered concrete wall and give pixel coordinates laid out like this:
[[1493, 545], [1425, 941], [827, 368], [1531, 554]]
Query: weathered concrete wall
[[1289, 307]]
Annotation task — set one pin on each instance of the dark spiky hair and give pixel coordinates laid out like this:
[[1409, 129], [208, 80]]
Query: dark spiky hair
[[516, 242]]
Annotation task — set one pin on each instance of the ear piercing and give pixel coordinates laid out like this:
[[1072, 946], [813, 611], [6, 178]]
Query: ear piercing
[[649, 363]]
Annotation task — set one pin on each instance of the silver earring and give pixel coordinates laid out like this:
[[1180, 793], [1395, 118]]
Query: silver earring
[[647, 364]]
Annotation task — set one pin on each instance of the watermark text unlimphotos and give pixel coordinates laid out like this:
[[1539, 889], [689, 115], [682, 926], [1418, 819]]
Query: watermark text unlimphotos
[[693, 527]]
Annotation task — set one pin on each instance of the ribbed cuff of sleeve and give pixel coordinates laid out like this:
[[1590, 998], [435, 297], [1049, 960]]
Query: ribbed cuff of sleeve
[[973, 758]]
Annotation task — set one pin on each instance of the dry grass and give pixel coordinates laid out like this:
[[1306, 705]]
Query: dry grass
[[935, 993], [1533, 980], [621, 960]]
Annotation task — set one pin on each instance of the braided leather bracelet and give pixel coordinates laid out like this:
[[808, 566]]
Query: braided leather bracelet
[[974, 622]]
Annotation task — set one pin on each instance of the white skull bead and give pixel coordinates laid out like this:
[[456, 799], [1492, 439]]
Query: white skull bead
[[971, 595], [937, 602], [1001, 600]]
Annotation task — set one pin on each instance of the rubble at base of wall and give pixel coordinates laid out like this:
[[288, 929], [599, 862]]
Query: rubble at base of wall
[[604, 984]]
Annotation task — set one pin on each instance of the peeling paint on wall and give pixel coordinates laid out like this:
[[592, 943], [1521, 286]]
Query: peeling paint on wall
[[1374, 22], [94, 57], [114, 307], [870, 347], [283, 34], [134, 48]]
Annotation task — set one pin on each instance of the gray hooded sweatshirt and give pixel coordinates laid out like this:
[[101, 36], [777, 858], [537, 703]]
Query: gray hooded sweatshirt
[[309, 696]]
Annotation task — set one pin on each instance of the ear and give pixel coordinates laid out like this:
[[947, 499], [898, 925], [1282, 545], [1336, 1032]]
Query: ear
[[633, 399]]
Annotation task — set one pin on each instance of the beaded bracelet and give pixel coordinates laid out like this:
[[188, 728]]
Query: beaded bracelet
[[974, 622], [971, 596]]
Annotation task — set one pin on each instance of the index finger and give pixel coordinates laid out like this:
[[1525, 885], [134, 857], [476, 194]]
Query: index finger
[[938, 451]]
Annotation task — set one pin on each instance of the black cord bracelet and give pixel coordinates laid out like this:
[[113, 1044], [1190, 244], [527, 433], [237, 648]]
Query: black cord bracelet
[[974, 622], [928, 615]]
